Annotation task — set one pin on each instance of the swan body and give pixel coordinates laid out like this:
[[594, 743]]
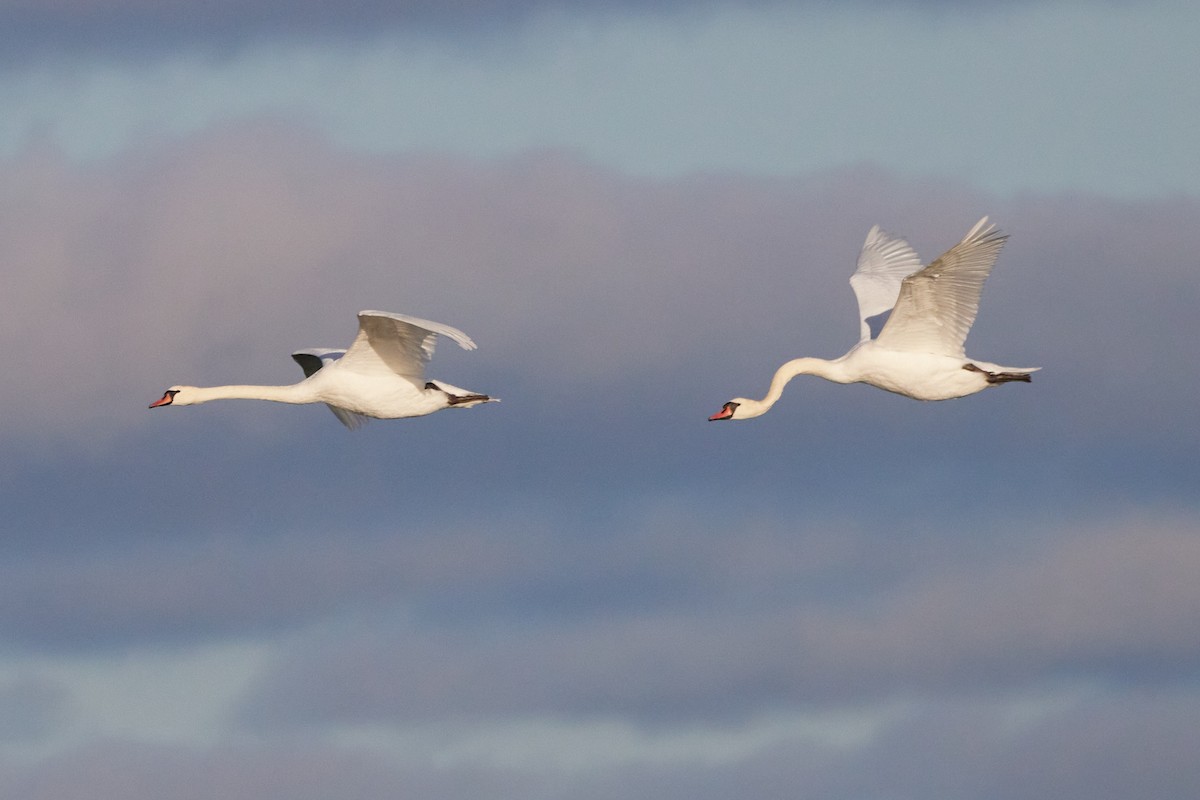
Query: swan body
[[919, 350], [381, 375]]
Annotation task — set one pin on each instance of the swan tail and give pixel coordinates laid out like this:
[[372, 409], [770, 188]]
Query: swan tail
[[468, 400], [1006, 377], [1004, 374], [460, 398]]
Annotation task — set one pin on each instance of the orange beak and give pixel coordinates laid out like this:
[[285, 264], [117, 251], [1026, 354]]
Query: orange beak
[[725, 413]]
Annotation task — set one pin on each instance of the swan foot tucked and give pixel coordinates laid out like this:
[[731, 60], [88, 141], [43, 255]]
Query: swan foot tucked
[[999, 377]]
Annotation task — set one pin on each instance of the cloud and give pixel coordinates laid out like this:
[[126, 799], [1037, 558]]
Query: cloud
[[613, 315], [211, 258], [135, 28], [1105, 603], [1094, 745], [31, 706], [1072, 746], [214, 253], [112, 769], [593, 549], [502, 563]]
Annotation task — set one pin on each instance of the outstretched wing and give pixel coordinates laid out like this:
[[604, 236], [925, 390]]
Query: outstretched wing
[[885, 261], [311, 361], [397, 344], [937, 305]]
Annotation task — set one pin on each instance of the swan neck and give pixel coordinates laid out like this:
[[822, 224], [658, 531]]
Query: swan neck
[[293, 393], [797, 366], [800, 366]]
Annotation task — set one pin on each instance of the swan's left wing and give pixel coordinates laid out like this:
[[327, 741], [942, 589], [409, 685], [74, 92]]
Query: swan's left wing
[[937, 305], [885, 261], [397, 344], [314, 359]]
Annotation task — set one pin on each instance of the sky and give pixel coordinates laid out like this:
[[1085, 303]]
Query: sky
[[638, 211]]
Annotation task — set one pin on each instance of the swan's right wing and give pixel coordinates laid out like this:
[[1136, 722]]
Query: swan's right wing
[[314, 359], [885, 261], [397, 344], [937, 305]]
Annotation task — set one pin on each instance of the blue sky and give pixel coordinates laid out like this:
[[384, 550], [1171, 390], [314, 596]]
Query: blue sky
[[637, 211], [1105, 91]]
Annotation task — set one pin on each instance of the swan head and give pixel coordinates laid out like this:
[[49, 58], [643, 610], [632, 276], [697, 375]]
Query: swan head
[[175, 396], [739, 408]]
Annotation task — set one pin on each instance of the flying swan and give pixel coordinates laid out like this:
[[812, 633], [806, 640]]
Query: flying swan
[[380, 376], [919, 352]]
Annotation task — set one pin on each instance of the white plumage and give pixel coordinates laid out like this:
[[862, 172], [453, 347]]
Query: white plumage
[[381, 374], [919, 351]]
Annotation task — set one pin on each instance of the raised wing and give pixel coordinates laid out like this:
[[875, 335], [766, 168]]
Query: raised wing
[[937, 305], [397, 344], [314, 359], [885, 261]]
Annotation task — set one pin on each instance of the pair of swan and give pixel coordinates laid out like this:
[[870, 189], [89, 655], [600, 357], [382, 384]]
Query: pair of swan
[[918, 353]]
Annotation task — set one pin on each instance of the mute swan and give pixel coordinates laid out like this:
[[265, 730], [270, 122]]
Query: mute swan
[[919, 352], [381, 375]]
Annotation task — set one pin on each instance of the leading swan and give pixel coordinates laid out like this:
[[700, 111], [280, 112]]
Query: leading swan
[[380, 376], [919, 352]]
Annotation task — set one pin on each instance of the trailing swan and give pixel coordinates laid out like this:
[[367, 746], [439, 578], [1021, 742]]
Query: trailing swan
[[919, 352]]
